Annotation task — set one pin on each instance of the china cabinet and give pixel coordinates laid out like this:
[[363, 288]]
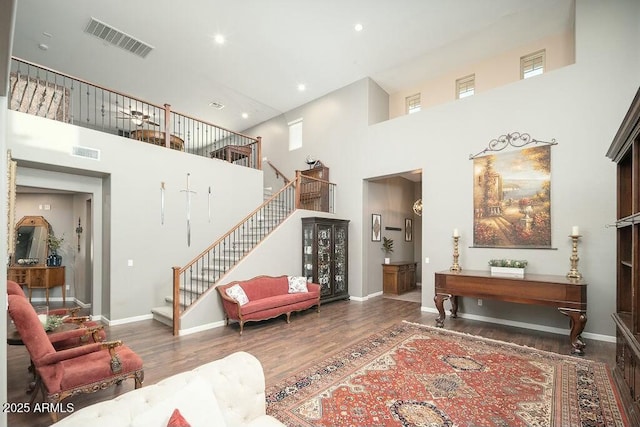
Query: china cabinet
[[325, 258], [625, 151]]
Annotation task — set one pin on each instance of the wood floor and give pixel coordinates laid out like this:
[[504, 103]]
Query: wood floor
[[282, 348]]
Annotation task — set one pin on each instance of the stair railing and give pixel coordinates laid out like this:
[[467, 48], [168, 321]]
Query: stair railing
[[200, 274]]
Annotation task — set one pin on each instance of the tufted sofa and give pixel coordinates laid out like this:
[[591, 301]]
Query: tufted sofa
[[228, 392], [266, 297]]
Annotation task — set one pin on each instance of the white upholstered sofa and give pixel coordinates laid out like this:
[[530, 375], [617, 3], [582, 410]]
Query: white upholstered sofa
[[226, 392]]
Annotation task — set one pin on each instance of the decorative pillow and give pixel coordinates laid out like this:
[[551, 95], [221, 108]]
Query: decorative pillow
[[177, 420], [237, 293], [297, 284]]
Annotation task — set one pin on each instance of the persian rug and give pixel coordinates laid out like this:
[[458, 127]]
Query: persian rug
[[417, 375]]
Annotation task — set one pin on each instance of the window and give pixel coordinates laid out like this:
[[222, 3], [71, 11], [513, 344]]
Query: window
[[532, 64], [465, 86], [413, 103], [295, 134]]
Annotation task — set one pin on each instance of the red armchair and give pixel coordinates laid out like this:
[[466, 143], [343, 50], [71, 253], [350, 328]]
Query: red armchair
[[88, 329], [82, 369]]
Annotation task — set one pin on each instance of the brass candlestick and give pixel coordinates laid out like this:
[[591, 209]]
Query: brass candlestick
[[574, 273], [456, 254]]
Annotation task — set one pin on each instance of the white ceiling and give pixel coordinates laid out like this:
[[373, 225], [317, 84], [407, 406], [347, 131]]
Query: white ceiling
[[272, 46]]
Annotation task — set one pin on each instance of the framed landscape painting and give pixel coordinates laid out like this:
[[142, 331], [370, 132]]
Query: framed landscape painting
[[512, 199]]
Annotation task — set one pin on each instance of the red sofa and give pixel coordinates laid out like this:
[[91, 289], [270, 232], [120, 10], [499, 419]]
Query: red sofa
[[268, 297]]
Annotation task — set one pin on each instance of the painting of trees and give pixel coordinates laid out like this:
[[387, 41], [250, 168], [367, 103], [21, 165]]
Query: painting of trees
[[512, 199]]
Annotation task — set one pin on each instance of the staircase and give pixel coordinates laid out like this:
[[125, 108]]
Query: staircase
[[200, 275]]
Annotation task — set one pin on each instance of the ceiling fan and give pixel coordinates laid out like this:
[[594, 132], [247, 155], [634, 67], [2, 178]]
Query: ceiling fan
[[138, 118]]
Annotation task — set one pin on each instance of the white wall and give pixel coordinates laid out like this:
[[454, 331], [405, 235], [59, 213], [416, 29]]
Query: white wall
[[493, 72], [3, 266], [579, 105], [125, 184]]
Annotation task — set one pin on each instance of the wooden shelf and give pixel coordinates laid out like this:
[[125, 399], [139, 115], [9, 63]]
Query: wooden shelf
[[625, 151]]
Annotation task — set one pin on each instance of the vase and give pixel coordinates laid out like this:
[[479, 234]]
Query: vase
[[387, 260], [507, 271], [54, 260]]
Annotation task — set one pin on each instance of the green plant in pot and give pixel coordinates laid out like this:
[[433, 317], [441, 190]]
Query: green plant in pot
[[54, 259], [387, 247]]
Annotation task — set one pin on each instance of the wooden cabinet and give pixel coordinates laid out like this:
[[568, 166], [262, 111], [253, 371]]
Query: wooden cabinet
[[39, 277], [625, 151], [398, 277], [325, 260], [314, 189]]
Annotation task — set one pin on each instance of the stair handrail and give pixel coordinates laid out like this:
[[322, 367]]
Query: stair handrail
[[178, 271], [278, 173]]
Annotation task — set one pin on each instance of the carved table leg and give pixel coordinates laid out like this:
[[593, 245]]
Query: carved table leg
[[454, 306], [439, 301], [577, 321]]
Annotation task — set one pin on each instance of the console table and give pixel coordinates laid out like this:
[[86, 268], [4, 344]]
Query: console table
[[568, 295], [39, 277], [398, 277]]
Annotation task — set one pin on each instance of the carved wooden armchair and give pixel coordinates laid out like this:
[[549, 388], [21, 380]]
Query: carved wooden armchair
[[89, 331], [83, 369]]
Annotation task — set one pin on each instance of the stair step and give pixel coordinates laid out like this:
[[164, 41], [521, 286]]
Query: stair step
[[163, 314]]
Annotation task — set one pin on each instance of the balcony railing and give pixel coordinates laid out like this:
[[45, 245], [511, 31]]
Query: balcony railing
[[47, 93]]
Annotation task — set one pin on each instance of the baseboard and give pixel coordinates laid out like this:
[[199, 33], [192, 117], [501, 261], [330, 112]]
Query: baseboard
[[201, 328], [365, 298], [127, 319], [532, 326]]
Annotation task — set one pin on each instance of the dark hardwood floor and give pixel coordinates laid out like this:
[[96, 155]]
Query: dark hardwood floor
[[282, 348]]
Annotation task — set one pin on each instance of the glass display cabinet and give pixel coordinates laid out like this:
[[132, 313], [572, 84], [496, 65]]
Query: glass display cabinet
[[325, 245]]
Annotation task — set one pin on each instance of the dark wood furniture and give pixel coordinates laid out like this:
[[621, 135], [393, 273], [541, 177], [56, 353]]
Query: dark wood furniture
[[398, 277], [325, 260], [157, 138], [314, 189], [625, 151], [233, 153], [568, 295], [39, 277]]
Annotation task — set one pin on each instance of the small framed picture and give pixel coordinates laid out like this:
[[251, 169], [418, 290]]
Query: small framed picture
[[376, 227], [408, 229]]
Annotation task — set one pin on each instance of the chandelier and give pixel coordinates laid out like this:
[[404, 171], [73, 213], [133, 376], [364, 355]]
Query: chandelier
[[417, 207]]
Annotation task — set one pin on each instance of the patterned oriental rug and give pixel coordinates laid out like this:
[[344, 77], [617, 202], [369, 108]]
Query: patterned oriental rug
[[417, 375]]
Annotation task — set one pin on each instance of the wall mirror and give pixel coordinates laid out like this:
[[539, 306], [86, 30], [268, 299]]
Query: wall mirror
[[31, 245]]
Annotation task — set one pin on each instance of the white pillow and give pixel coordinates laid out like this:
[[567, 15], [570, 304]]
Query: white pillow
[[237, 293], [297, 284]]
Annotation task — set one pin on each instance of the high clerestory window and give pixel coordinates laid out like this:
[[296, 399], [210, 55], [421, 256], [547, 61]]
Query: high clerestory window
[[412, 103], [295, 134], [532, 64], [465, 86]]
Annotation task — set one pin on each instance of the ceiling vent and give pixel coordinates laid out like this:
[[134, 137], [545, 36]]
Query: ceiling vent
[[216, 105], [117, 38]]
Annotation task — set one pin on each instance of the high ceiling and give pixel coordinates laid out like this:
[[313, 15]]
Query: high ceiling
[[273, 46]]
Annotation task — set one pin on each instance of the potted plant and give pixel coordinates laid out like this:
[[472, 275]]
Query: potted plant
[[387, 247], [54, 259], [507, 267]]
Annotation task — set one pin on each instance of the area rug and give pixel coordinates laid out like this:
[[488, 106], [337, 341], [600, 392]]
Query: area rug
[[417, 375]]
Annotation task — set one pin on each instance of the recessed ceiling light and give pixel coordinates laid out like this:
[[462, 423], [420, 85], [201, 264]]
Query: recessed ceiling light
[[358, 27], [219, 38], [43, 46], [245, 115], [301, 87], [216, 105]]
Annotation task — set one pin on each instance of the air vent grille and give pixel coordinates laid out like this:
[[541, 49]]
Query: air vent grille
[[117, 38]]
